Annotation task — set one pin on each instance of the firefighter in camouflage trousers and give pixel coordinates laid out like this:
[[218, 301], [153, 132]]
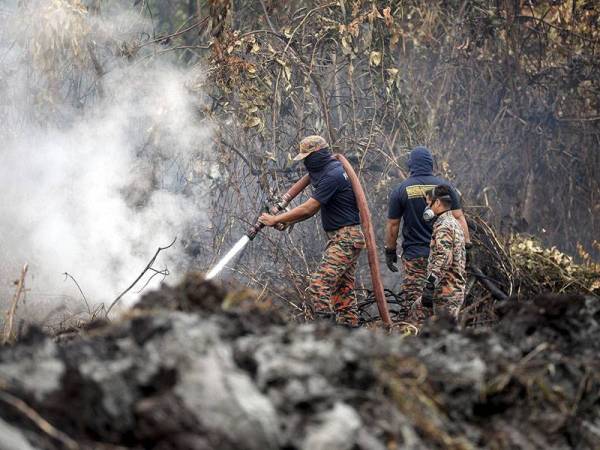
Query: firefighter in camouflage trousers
[[331, 287], [446, 274], [407, 203]]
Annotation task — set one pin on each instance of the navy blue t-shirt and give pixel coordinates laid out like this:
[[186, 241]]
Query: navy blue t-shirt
[[333, 190], [407, 202]]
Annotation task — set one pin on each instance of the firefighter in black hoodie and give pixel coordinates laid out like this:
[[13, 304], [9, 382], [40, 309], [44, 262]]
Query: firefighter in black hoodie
[[408, 202]]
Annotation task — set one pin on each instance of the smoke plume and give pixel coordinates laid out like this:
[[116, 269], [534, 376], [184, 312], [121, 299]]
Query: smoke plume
[[102, 139]]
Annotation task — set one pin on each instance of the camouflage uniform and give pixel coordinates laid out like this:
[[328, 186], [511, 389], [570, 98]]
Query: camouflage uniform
[[413, 279], [332, 285], [447, 261]]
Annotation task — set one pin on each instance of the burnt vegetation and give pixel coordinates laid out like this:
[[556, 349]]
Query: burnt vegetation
[[190, 369], [507, 96]]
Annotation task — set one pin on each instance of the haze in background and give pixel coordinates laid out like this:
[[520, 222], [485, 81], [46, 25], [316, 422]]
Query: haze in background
[[99, 136]]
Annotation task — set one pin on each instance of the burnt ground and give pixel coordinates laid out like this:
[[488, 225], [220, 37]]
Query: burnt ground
[[178, 372]]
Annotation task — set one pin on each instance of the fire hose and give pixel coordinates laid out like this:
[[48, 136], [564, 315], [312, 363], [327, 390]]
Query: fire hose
[[365, 222]]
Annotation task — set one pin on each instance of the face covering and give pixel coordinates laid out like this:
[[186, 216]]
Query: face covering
[[315, 162], [428, 214]]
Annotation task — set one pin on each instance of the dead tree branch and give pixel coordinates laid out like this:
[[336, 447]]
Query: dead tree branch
[[165, 273], [146, 269]]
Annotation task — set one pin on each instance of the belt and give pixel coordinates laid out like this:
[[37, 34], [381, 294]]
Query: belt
[[331, 233], [343, 228]]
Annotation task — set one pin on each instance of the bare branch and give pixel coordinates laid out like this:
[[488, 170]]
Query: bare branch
[[68, 275], [10, 316], [146, 269]]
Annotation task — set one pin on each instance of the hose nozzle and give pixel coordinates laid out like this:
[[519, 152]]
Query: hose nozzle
[[254, 230], [280, 205], [274, 208]]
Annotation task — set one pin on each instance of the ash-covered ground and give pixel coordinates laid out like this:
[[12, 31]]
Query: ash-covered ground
[[181, 372]]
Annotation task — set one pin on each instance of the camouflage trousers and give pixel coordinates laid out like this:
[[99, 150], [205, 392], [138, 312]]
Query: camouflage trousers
[[331, 287], [441, 306], [413, 282], [446, 302], [449, 298]]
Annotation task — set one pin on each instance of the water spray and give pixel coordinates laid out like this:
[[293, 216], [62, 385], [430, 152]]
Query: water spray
[[365, 221], [238, 247], [276, 208]]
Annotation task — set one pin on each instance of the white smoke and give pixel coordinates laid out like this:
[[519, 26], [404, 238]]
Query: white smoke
[[92, 163]]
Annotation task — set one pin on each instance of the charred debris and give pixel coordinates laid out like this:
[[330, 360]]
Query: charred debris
[[204, 365]]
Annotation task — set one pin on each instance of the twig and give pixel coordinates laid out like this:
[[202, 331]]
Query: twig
[[100, 308], [562, 30], [314, 77], [38, 420], [13, 307], [148, 267], [496, 292], [176, 33], [578, 119], [68, 275], [265, 286], [97, 68], [165, 273], [262, 3]]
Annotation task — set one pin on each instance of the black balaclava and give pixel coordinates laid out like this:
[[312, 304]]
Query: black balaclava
[[316, 161]]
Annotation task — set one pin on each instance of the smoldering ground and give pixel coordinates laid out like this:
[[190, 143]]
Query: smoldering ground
[[191, 368], [100, 137]]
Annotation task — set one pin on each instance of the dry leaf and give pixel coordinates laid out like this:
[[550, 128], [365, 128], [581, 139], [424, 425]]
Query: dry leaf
[[374, 14], [346, 47], [394, 39], [387, 17], [252, 121], [375, 58], [354, 26]]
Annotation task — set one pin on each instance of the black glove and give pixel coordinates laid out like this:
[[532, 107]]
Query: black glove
[[427, 298], [391, 258]]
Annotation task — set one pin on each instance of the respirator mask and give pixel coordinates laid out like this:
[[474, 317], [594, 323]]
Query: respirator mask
[[428, 214]]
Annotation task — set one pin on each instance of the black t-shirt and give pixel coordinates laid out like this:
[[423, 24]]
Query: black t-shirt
[[333, 190], [407, 202]]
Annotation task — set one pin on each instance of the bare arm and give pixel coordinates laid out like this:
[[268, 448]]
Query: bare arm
[[302, 212], [392, 228], [460, 217]]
